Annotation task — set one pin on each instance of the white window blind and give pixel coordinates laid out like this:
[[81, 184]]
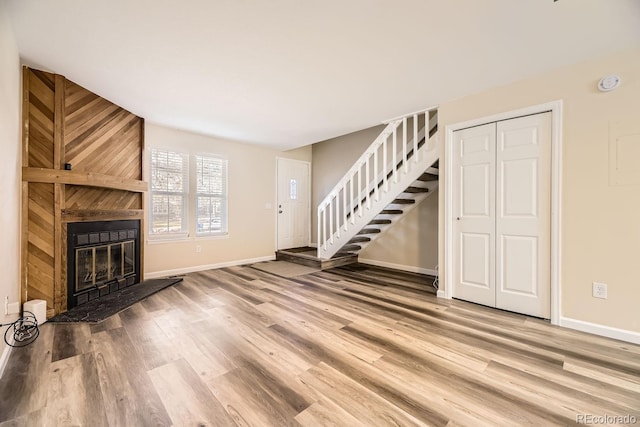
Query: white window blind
[[169, 193], [211, 195]]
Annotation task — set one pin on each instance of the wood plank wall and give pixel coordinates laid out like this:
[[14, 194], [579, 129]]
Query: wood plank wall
[[66, 123]]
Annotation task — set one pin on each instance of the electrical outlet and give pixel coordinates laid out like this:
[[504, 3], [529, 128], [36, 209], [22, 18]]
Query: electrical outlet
[[13, 308], [599, 290], [198, 248]]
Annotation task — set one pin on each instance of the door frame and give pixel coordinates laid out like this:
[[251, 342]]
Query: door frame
[[555, 107], [275, 205]]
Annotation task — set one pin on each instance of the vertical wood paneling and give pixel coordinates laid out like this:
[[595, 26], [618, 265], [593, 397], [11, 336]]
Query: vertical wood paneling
[[25, 185], [40, 242], [59, 284], [38, 199]]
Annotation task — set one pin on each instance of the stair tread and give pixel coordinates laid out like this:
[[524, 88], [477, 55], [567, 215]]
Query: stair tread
[[391, 212], [416, 190], [369, 231], [380, 221], [359, 239], [425, 177], [403, 202]]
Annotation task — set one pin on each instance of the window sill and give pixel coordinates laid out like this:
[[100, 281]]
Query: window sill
[[168, 239], [217, 236]]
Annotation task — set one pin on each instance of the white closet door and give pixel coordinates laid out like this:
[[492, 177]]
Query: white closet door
[[523, 204], [474, 212]]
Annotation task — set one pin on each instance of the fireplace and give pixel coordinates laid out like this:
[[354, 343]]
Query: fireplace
[[102, 257]]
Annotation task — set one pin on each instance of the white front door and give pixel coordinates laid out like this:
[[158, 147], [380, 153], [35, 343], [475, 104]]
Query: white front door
[[293, 207], [474, 211], [501, 229]]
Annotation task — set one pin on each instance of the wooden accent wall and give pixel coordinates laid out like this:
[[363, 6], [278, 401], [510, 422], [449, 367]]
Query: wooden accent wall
[[104, 143]]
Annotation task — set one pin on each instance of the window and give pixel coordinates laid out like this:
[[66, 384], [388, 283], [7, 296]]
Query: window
[[173, 207], [169, 193], [211, 195]]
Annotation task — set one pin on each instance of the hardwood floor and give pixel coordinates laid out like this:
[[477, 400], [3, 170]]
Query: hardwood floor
[[351, 346]]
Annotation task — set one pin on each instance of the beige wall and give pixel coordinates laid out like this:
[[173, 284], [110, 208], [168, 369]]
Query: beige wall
[[412, 243], [600, 222], [10, 160], [252, 184]]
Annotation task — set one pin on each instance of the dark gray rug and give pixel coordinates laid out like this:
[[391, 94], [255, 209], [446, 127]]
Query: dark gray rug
[[101, 308]]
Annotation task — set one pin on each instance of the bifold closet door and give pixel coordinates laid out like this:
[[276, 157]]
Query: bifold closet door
[[523, 213], [501, 207], [474, 203]]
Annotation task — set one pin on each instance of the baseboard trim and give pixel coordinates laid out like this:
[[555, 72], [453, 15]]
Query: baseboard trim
[[597, 329], [178, 271], [4, 359], [441, 293], [408, 268]]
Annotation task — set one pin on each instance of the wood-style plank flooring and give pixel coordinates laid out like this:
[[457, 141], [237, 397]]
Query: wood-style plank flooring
[[352, 346]]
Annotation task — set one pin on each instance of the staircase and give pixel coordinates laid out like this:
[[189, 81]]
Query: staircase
[[396, 172]]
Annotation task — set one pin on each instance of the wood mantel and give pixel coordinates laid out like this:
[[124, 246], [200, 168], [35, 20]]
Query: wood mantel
[[65, 123], [88, 179], [79, 215]]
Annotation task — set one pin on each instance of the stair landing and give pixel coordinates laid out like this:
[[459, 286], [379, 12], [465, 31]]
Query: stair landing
[[308, 256]]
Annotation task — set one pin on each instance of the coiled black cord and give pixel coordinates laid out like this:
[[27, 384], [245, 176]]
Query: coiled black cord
[[25, 330]]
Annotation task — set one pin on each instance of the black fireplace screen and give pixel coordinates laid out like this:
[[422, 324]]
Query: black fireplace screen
[[102, 256]]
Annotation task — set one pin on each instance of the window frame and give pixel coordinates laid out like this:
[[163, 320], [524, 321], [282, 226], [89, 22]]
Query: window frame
[[184, 231], [224, 197], [190, 195]]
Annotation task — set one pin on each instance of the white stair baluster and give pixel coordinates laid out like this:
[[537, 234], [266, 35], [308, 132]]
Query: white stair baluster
[[393, 156], [360, 191], [415, 138], [427, 131], [324, 228], [375, 174], [319, 241], [344, 208], [404, 145], [353, 218], [384, 164], [331, 220], [338, 214], [367, 181]]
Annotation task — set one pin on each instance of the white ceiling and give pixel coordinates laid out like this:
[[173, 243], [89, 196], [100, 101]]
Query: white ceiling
[[287, 73]]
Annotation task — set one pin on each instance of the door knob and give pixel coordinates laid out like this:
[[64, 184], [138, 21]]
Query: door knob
[[279, 211]]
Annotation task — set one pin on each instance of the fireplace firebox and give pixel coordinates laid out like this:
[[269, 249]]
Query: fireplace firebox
[[102, 257]]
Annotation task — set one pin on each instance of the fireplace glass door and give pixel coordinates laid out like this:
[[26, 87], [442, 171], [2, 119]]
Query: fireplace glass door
[[97, 265]]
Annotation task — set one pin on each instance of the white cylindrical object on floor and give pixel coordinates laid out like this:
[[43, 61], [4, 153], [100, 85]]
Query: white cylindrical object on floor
[[39, 309]]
